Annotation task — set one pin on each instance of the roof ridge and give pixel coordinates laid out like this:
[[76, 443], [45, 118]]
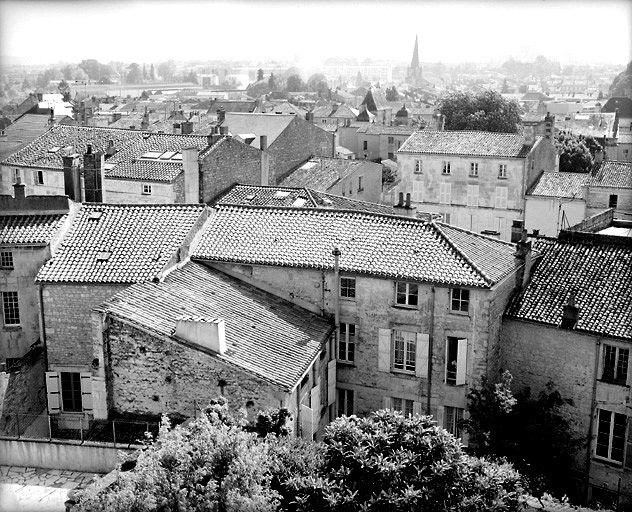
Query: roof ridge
[[447, 239], [480, 235], [310, 196]]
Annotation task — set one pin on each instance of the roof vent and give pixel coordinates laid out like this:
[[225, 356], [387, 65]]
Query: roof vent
[[104, 255], [281, 194], [95, 215], [250, 197], [209, 333], [570, 314]]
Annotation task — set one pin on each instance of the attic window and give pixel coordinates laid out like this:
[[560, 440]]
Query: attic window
[[104, 255], [54, 149], [250, 197], [281, 194], [96, 215]]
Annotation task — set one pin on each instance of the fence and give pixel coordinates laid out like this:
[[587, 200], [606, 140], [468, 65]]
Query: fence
[[77, 428]]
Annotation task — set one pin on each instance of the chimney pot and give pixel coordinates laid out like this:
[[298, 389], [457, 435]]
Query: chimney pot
[[408, 200], [570, 313], [19, 189], [400, 202], [263, 142]]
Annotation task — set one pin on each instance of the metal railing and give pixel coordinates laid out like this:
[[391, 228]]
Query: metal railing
[[78, 427]]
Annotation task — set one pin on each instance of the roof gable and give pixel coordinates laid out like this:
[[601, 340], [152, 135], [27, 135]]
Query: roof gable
[[560, 184], [29, 229], [271, 125], [612, 174]]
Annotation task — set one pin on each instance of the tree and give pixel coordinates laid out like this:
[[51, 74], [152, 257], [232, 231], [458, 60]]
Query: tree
[[272, 85], [134, 74], [392, 94], [259, 74], [622, 84], [530, 432], [294, 84], [486, 111], [166, 70], [577, 153], [318, 83], [64, 89], [152, 72], [144, 72], [191, 76]]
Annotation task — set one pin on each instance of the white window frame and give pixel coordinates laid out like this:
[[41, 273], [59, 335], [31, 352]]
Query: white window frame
[[473, 169], [408, 341], [456, 296], [408, 291], [386, 352], [455, 370], [16, 175], [347, 342], [621, 358], [347, 289], [11, 304], [147, 189], [419, 169], [472, 195], [7, 262], [403, 405], [360, 187], [445, 193], [452, 416], [501, 197], [445, 168], [502, 171], [344, 397], [610, 433]]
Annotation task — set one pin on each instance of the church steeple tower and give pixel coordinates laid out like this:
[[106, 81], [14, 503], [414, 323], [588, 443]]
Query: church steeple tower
[[414, 71]]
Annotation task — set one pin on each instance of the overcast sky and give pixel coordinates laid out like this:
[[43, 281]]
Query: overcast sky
[[34, 32]]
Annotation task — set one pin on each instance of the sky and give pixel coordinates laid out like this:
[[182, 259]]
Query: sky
[[41, 32]]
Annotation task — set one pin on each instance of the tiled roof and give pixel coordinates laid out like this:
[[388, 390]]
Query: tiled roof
[[560, 184], [344, 111], [623, 105], [323, 111], [324, 173], [120, 243], [145, 170], [380, 245], [471, 143], [287, 196], [600, 275], [380, 129], [232, 106], [624, 138], [286, 107], [612, 174], [24, 130], [265, 335], [596, 125], [129, 144], [271, 125], [29, 229]]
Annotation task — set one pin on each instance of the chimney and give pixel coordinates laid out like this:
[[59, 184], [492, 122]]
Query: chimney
[[523, 260], [109, 151], [144, 124], [408, 200], [51, 119], [187, 127], [221, 115], [570, 314], [516, 230], [209, 333], [18, 189], [223, 130], [599, 156], [400, 202], [72, 176], [93, 176], [309, 117], [265, 160], [191, 170]]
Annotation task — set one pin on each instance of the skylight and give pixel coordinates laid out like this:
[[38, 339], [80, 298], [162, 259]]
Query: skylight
[[152, 155], [104, 255], [167, 155], [96, 215], [281, 194], [54, 149], [299, 202]]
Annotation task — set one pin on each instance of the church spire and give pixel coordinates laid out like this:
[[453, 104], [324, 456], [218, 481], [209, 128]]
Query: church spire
[[415, 62], [414, 71]]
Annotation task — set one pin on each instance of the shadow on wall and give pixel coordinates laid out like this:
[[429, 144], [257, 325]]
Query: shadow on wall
[[22, 393]]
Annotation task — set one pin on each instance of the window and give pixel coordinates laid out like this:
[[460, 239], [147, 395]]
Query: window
[[501, 197], [365, 145], [446, 218], [445, 193], [613, 201], [625, 153], [404, 350], [391, 156], [345, 402], [502, 170], [346, 344], [16, 174], [472, 195], [452, 420], [391, 140], [455, 361], [611, 428], [418, 167], [360, 187], [38, 177], [10, 308], [406, 294], [6, 259], [460, 299], [474, 170], [348, 287], [350, 188], [71, 391], [10, 362], [403, 405], [615, 364], [146, 189], [446, 168]]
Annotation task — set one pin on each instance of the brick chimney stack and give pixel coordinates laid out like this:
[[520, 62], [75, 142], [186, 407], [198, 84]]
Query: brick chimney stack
[[523, 260], [93, 176], [19, 189], [72, 176], [570, 314], [265, 160]]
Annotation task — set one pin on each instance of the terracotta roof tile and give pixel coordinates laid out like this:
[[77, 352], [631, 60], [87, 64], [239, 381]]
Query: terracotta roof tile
[[120, 243], [560, 184], [145, 170], [380, 129], [265, 335], [382, 245], [612, 174], [29, 229], [323, 173], [600, 275], [509, 145]]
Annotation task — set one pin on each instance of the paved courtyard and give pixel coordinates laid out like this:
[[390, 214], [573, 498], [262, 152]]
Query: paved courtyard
[[37, 490]]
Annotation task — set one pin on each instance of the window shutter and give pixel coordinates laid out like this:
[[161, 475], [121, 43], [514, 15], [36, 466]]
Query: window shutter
[[331, 382], [34, 177], [384, 351], [465, 436], [628, 450], [306, 422], [52, 392], [315, 397], [421, 362], [86, 392], [416, 408], [439, 418], [461, 362], [386, 402]]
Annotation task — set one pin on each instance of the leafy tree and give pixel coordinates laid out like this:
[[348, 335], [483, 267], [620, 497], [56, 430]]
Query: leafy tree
[[392, 94], [318, 83], [152, 72], [577, 153], [294, 84], [134, 74], [191, 76], [64, 89], [167, 70], [144, 72], [259, 74], [622, 84], [272, 85], [530, 432], [486, 111]]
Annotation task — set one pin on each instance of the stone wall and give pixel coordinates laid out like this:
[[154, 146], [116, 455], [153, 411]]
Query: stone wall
[[131, 192]]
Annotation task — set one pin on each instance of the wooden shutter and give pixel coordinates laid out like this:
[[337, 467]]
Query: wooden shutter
[[416, 408], [465, 436], [315, 401], [421, 356], [34, 177], [384, 350], [331, 382], [439, 417], [628, 448], [86, 392], [306, 422], [53, 392], [461, 362], [386, 402]]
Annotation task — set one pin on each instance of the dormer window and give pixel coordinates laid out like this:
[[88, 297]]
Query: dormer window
[[54, 149]]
